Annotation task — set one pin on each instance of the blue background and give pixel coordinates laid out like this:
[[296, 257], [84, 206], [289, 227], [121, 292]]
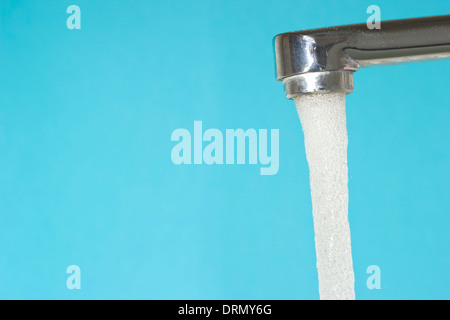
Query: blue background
[[86, 176]]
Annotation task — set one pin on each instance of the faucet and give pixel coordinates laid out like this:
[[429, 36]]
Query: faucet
[[323, 60]]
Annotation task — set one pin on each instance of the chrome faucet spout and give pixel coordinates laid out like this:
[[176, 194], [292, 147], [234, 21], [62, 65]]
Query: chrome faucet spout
[[323, 60]]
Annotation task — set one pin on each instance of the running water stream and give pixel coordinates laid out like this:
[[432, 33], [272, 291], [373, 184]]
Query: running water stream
[[323, 120]]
